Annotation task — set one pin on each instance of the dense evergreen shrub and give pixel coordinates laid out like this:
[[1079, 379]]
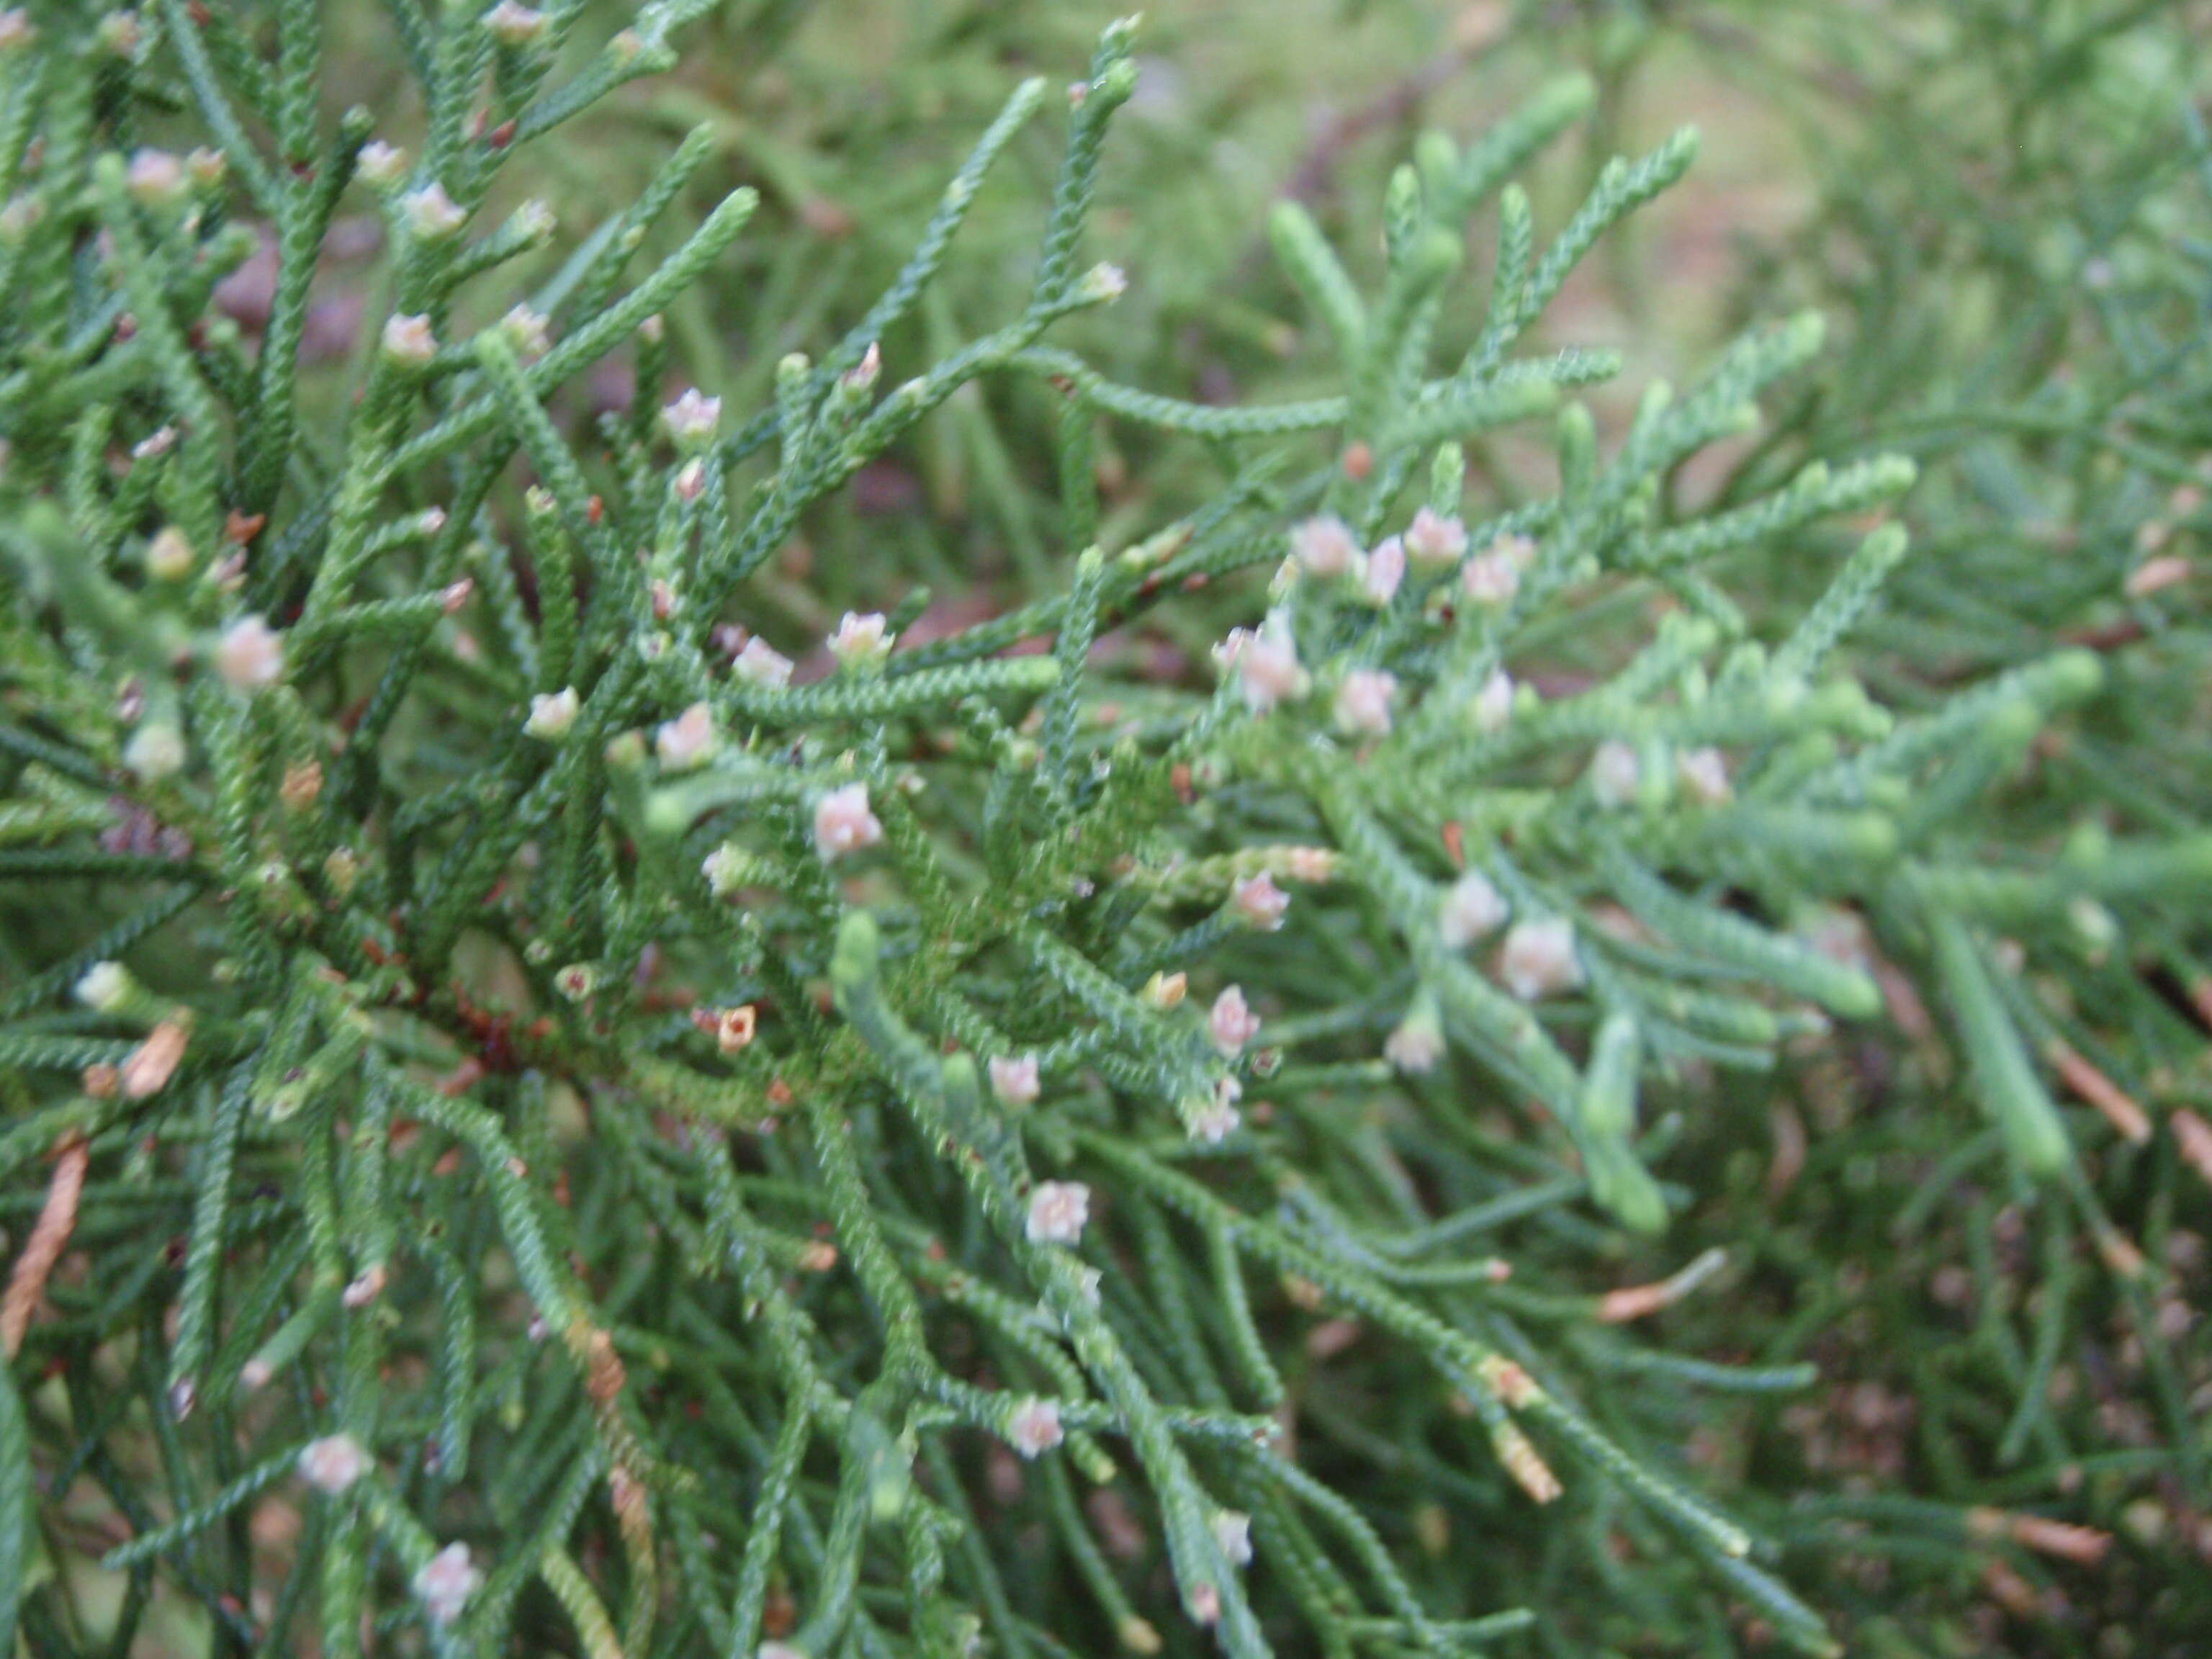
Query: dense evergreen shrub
[[547, 1111], [2011, 226]]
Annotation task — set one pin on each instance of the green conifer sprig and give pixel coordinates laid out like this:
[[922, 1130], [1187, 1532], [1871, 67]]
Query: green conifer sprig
[[661, 1137]]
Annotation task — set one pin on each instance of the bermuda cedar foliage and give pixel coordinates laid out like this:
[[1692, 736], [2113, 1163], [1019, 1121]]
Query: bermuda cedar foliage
[[2010, 227], [643, 1148], [2057, 396]]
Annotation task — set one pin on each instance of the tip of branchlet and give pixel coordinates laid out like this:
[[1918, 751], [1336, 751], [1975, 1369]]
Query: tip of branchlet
[[1138, 1635], [858, 943]]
